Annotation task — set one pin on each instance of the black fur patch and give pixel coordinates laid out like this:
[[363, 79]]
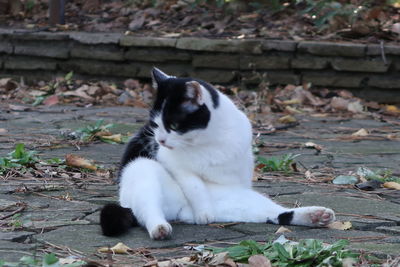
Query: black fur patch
[[116, 220], [141, 145], [285, 218]]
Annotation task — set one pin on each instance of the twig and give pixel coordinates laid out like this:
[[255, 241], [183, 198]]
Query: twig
[[14, 212]]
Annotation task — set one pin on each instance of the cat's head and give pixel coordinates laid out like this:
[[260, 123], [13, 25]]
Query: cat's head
[[182, 109]]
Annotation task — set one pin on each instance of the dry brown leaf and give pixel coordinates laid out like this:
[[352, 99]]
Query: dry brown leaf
[[119, 248], [76, 161], [392, 109], [339, 103], [283, 229], [219, 258], [392, 185], [313, 145], [18, 108], [355, 107], [51, 100], [338, 225], [115, 138], [287, 119], [361, 132], [259, 261]]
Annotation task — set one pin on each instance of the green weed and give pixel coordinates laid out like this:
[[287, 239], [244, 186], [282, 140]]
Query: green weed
[[90, 132], [383, 176], [308, 252], [48, 260], [19, 158], [53, 85], [284, 163]]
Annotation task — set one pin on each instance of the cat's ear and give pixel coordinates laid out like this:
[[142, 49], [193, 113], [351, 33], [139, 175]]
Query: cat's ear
[[158, 76], [194, 93]]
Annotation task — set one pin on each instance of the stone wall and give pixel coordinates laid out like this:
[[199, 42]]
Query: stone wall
[[369, 70]]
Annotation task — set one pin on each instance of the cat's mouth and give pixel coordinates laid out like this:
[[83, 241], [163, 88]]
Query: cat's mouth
[[167, 146]]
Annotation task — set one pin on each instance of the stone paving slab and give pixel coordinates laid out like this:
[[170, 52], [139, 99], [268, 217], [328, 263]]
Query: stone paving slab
[[52, 222]]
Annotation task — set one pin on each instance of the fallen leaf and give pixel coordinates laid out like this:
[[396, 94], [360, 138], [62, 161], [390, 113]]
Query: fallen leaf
[[76, 161], [392, 185], [18, 108], [119, 248], [355, 107], [313, 145], [219, 258], [392, 109], [117, 138], [345, 179], [259, 261], [283, 229], [51, 100], [361, 132], [339, 103], [338, 225], [287, 119]]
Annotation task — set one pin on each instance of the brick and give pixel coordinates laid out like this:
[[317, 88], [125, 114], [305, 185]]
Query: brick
[[375, 50], [360, 65], [214, 76], [223, 61], [309, 62], [28, 63], [5, 46], [334, 79], [175, 69], [282, 77], [264, 62], [100, 52], [156, 54], [272, 77], [96, 67], [332, 49], [40, 36], [385, 81], [95, 38], [220, 45], [43, 49], [147, 41], [279, 45]]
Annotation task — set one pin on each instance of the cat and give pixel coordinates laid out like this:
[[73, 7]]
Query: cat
[[193, 162]]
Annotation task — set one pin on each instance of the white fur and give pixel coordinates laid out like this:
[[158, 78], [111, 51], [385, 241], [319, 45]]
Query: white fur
[[204, 176]]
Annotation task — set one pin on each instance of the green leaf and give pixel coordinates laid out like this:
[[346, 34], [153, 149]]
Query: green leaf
[[69, 75], [281, 250], [50, 260], [28, 260]]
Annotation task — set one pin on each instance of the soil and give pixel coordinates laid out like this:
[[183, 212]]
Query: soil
[[335, 20]]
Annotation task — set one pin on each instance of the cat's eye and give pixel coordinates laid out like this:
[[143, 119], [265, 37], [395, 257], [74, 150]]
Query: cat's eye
[[153, 124], [173, 126]]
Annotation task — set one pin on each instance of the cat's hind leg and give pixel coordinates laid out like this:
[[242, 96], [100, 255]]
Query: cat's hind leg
[[246, 205], [143, 189]]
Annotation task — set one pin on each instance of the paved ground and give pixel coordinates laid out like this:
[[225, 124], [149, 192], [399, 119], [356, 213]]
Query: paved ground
[[62, 213]]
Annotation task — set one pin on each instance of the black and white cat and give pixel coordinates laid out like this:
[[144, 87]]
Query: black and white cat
[[193, 162]]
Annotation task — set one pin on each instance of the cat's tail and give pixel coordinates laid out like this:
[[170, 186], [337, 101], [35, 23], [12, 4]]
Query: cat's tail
[[116, 220]]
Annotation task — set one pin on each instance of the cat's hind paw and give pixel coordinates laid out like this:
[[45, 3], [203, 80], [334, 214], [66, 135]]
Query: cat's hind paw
[[313, 216], [161, 231], [204, 218]]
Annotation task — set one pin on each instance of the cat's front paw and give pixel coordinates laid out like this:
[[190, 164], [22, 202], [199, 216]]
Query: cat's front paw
[[204, 217], [314, 216], [161, 231]]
